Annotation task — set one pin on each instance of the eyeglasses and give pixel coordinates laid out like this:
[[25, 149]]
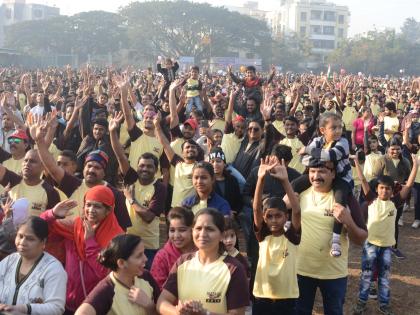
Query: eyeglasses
[[14, 140], [254, 129]]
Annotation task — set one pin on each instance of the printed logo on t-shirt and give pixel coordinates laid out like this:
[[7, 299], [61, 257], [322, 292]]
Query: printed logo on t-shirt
[[36, 206], [328, 213], [391, 213], [213, 297], [156, 150]]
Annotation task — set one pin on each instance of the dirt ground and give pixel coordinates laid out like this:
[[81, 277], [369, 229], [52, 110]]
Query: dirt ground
[[405, 274]]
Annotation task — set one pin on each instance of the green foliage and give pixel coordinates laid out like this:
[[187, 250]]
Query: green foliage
[[378, 53], [411, 30], [192, 29], [95, 32]]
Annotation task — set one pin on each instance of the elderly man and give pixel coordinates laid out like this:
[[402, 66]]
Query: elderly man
[[316, 268]]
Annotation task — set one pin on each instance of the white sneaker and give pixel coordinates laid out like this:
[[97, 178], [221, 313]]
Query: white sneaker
[[406, 208], [401, 222], [416, 224]]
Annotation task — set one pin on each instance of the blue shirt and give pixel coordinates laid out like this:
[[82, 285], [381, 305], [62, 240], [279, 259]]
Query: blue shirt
[[214, 201]]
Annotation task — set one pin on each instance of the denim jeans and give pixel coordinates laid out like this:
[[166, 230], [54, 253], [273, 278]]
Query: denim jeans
[[417, 203], [333, 293], [273, 307], [375, 257], [194, 101]]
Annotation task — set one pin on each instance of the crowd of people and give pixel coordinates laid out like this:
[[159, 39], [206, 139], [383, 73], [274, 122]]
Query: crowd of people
[[94, 161]]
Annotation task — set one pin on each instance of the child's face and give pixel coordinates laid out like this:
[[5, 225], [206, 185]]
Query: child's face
[[373, 145], [384, 192], [194, 74], [250, 74], [229, 239], [168, 64], [275, 220], [332, 131]]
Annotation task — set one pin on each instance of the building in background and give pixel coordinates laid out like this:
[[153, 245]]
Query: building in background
[[323, 23], [249, 8], [15, 11]]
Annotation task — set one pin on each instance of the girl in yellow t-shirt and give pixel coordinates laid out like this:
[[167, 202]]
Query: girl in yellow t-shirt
[[275, 287]]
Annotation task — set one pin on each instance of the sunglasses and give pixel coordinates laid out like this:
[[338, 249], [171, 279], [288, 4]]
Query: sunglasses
[[14, 140], [254, 129]]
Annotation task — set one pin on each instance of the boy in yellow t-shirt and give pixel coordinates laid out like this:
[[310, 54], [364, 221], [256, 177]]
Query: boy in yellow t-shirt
[[275, 287], [194, 89], [381, 213]]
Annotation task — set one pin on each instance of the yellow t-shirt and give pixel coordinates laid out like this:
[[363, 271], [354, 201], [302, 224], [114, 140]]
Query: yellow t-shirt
[[149, 232], [120, 303], [201, 205], [230, 146], [142, 145], [183, 186], [218, 124], [14, 165], [192, 88], [276, 276], [36, 195], [417, 180], [375, 109], [279, 125], [370, 169], [314, 259], [391, 123], [349, 116], [381, 223], [296, 145], [215, 276], [176, 145]]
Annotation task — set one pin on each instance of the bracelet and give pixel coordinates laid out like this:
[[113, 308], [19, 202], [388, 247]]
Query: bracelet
[[28, 309]]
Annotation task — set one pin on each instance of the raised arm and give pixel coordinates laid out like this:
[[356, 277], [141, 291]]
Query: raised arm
[[128, 115], [38, 131], [257, 203], [162, 138], [410, 182], [173, 113], [116, 145], [359, 171], [280, 172]]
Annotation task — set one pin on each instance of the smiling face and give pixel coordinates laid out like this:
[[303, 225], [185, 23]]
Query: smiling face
[[146, 170], [95, 212], [254, 131], [180, 235], [332, 131], [384, 191], [189, 151], [321, 178], [394, 151], [134, 265], [98, 131]]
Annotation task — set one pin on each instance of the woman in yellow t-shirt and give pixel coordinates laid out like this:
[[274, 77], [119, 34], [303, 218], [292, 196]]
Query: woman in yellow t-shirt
[[276, 288], [129, 289], [208, 281]]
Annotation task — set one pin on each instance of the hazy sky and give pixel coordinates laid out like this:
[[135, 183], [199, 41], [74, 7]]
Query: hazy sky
[[365, 14]]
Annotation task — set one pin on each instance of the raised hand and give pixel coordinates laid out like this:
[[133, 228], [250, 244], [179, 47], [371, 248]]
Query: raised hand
[[157, 119], [38, 128], [139, 297], [115, 122], [279, 171], [89, 229], [265, 167], [62, 209]]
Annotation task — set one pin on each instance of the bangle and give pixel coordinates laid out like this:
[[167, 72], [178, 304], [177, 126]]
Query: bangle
[[28, 309]]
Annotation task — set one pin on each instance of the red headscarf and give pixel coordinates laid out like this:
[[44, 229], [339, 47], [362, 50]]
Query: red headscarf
[[104, 233]]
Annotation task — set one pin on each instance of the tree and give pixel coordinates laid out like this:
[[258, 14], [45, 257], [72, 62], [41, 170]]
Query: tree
[[378, 53], [191, 29], [411, 30], [95, 32]]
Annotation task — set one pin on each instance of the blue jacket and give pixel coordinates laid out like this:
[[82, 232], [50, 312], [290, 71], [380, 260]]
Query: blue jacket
[[214, 201]]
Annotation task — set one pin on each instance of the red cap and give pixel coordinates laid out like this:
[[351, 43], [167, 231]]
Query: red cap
[[192, 122], [238, 118], [19, 134]]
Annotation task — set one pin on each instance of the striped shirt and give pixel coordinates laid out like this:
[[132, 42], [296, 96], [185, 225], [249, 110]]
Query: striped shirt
[[338, 152]]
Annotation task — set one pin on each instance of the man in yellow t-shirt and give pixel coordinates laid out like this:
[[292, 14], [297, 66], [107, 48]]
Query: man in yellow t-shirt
[[315, 266], [183, 165]]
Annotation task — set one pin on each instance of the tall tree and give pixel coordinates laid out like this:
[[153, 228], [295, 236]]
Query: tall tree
[[185, 28]]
